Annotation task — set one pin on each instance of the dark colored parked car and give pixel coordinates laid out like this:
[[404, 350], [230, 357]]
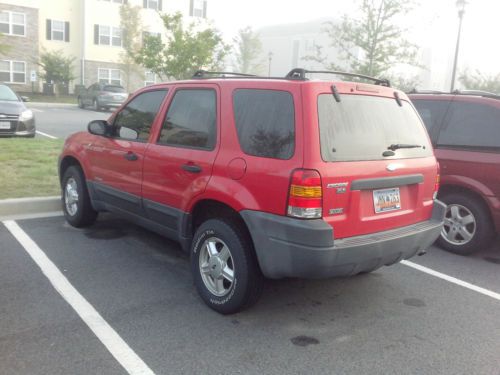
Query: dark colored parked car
[[256, 177], [100, 95], [465, 131], [15, 118]]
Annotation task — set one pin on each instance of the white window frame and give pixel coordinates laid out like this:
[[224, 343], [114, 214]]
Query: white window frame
[[149, 82], [197, 10], [106, 75], [11, 22], [11, 71], [151, 1], [63, 31], [114, 33]]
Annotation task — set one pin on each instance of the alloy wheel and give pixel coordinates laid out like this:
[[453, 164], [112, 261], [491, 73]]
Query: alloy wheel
[[459, 225], [216, 266]]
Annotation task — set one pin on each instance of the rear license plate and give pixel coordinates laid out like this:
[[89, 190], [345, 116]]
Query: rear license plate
[[386, 200], [4, 125]]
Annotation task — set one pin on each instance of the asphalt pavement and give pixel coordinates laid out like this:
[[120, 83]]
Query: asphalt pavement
[[62, 120], [397, 320]]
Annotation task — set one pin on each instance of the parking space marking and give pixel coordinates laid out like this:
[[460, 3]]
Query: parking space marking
[[45, 134], [118, 348], [453, 280]]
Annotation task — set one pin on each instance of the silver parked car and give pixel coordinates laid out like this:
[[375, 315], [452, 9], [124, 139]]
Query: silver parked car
[[15, 118], [100, 95]]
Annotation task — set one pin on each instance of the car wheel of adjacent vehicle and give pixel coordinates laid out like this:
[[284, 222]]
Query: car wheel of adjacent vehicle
[[77, 208], [467, 225], [80, 103], [224, 266], [96, 105]]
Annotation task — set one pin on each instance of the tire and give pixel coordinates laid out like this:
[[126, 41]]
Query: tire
[[77, 207], [96, 105], [231, 280], [80, 103], [468, 227]]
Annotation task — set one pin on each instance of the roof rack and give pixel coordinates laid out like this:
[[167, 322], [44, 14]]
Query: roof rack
[[484, 94], [299, 73], [208, 74]]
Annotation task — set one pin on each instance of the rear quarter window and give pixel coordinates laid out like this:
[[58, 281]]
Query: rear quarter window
[[265, 122], [432, 113], [362, 127]]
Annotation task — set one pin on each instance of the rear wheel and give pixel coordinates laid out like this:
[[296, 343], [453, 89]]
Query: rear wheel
[[467, 225], [96, 105], [224, 266], [77, 208], [80, 103]]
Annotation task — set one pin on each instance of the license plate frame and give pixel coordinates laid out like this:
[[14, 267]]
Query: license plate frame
[[5, 125], [386, 200]]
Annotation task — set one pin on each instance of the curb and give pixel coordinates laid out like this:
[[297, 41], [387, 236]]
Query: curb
[[45, 105], [29, 206]]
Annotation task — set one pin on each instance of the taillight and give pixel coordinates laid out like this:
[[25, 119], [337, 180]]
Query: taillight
[[436, 183], [305, 194]]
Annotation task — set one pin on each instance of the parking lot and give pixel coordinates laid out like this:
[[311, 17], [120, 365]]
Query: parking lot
[[148, 317]]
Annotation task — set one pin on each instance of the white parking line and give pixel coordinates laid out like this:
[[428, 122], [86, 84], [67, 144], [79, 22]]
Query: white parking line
[[118, 348], [45, 134], [453, 280]]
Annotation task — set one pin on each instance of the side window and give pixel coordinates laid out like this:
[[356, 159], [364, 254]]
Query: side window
[[432, 113], [471, 125], [265, 122], [135, 120], [191, 120]]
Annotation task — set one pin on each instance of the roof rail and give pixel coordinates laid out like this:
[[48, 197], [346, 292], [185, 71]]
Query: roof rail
[[484, 94], [299, 73], [208, 74]]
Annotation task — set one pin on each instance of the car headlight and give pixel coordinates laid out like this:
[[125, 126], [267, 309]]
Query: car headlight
[[26, 115]]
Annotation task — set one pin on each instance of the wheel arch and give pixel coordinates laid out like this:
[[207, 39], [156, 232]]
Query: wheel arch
[[449, 189], [67, 162]]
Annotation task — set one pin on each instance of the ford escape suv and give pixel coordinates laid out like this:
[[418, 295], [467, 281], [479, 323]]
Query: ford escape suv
[[259, 177], [465, 131]]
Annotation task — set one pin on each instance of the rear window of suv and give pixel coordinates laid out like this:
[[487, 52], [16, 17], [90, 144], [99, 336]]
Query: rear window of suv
[[363, 127], [265, 122], [113, 89]]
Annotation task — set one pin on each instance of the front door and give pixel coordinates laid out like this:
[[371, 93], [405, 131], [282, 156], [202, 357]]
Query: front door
[[117, 161]]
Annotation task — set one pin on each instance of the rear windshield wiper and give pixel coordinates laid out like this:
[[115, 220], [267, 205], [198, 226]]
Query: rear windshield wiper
[[397, 146]]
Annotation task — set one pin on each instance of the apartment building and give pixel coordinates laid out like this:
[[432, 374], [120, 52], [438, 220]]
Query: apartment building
[[88, 30]]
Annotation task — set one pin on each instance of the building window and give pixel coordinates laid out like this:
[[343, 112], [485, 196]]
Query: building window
[[147, 35], [149, 78], [109, 76], [12, 71], [107, 35], [152, 4], [12, 23], [198, 8], [57, 30]]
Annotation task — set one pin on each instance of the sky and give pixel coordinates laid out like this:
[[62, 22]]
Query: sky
[[432, 24]]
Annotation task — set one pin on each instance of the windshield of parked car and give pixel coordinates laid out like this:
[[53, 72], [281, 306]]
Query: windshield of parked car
[[114, 89], [363, 127], [6, 94]]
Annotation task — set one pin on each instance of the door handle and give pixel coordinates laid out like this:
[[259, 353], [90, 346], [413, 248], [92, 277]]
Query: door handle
[[130, 156], [192, 168]]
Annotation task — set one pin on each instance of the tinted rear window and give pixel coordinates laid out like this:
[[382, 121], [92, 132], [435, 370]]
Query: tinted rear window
[[363, 127], [114, 89], [432, 113], [265, 122]]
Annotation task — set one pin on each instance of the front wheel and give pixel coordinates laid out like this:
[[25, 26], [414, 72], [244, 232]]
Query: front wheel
[[96, 105], [80, 103], [77, 207], [467, 225], [224, 266]]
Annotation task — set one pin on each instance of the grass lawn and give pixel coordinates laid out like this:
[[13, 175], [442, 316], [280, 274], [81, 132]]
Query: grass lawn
[[70, 99], [28, 167]]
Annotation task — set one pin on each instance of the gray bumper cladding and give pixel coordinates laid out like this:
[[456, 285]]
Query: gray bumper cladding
[[288, 247]]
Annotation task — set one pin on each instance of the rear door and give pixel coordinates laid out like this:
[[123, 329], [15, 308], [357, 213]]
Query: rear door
[[377, 165]]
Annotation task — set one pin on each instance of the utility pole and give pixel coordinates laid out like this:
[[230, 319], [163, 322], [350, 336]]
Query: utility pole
[[461, 10]]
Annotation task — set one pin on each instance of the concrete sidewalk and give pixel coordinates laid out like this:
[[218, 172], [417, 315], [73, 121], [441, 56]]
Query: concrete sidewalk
[[17, 208]]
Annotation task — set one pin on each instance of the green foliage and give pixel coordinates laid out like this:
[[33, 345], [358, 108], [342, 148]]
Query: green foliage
[[130, 23], [57, 68], [372, 43], [186, 49], [479, 81], [248, 50]]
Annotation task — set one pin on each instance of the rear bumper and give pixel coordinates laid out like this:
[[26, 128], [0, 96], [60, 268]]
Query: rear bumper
[[289, 247]]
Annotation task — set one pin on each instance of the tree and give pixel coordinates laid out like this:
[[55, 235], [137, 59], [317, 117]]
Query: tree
[[131, 26], [479, 81], [57, 68], [248, 50], [372, 43], [185, 50]]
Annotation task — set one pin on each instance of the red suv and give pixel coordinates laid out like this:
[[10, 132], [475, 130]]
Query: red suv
[[259, 177], [465, 131]]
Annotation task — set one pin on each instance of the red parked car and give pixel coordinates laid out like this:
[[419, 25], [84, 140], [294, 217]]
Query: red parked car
[[258, 177], [465, 131]]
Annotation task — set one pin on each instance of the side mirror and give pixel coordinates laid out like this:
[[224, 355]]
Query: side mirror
[[25, 99], [99, 127]]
